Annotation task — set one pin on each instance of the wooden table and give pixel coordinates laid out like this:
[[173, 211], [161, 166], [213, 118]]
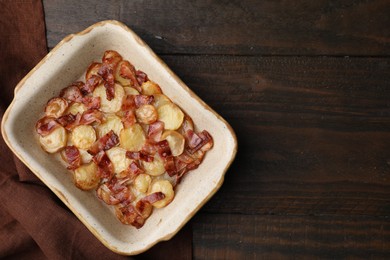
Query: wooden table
[[305, 85]]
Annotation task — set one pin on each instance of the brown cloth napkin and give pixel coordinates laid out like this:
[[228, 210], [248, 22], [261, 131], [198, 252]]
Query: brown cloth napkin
[[34, 224]]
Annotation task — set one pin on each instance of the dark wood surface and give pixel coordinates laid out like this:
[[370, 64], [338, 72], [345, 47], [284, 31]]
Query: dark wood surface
[[306, 87]]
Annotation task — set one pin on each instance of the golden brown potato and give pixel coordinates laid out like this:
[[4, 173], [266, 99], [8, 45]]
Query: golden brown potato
[[54, 141], [166, 188], [111, 122], [131, 91], [171, 115], [56, 107], [83, 136], [142, 182], [132, 138], [146, 114], [154, 168], [113, 105], [150, 88], [175, 140], [160, 100], [86, 176], [75, 108], [118, 159]]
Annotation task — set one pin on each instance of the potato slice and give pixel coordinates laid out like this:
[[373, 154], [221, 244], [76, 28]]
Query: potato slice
[[113, 105], [83, 136], [142, 182], [85, 156], [154, 168], [146, 114], [150, 88], [54, 141], [131, 91], [118, 159], [166, 188], [171, 115], [132, 138], [75, 108], [56, 107], [111, 122], [175, 140], [86, 176], [160, 100]]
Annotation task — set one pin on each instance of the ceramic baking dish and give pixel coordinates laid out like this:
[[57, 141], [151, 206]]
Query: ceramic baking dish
[[67, 63]]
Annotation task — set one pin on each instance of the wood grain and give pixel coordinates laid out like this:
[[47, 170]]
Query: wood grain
[[223, 236], [236, 27], [313, 133]]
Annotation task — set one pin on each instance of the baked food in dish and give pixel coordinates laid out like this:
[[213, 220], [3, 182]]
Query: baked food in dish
[[121, 136]]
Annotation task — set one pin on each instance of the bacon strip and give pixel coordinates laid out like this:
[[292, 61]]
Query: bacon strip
[[73, 157], [154, 197], [129, 119], [90, 85], [105, 167], [91, 116], [46, 125], [91, 102], [107, 73], [155, 131], [92, 70], [70, 121], [72, 92], [139, 156], [128, 103], [141, 77], [165, 152], [128, 215], [127, 71], [196, 142], [141, 100], [106, 142]]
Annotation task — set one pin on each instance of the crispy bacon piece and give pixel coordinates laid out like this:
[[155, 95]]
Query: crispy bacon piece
[[165, 152], [106, 71], [149, 147], [155, 131], [105, 167], [198, 141], [163, 149], [143, 100], [116, 191], [127, 71], [154, 197], [128, 103], [141, 77], [91, 102], [128, 215], [144, 206], [46, 125], [104, 143], [92, 70], [91, 84], [128, 119], [139, 156], [72, 92], [70, 121], [105, 194], [72, 155], [91, 116]]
